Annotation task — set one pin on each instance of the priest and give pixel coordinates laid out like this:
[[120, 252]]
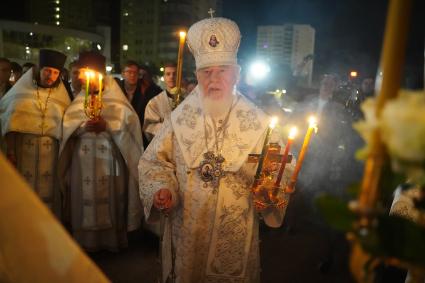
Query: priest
[[98, 161], [31, 125], [159, 108]]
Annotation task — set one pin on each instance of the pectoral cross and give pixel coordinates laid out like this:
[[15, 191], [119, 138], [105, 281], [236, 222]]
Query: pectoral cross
[[211, 12], [87, 180], [42, 124]]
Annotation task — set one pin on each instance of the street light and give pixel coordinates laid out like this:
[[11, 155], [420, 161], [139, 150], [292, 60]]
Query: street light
[[259, 70]]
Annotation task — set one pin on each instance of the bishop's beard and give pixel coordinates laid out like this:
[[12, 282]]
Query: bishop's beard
[[216, 107]]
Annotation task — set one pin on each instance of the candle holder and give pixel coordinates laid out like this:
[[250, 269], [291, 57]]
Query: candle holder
[[93, 101], [93, 108], [265, 191]]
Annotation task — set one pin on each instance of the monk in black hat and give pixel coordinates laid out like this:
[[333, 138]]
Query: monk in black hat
[[31, 124], [50, 65], [100, 149]]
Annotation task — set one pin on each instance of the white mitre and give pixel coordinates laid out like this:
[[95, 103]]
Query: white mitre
[[214, 42]]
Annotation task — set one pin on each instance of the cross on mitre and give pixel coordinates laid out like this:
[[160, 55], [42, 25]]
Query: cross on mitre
[[211, 12]]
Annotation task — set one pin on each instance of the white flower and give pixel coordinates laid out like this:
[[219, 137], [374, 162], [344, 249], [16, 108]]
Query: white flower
[[402, 130], [402, 126]]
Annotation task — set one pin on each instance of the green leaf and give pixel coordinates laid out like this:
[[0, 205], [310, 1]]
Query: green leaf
[[402, 238], [389, 182], [336, 212], [396, 237], [354, 190]]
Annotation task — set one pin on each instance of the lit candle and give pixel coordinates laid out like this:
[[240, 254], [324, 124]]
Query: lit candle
[[272, 124], [391, 66], [291, 136], [87, 73], [100, 87], [312, 126], [180, 64]]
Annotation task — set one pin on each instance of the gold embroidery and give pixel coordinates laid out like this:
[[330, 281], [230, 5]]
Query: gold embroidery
[[230, 249]]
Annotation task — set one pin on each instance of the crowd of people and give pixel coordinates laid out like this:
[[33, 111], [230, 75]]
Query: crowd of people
[[100, 177]]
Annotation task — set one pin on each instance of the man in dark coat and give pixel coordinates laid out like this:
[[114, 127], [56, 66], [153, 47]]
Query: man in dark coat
[[138, 91]]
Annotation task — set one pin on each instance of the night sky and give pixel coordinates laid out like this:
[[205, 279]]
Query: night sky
[[349, 33]]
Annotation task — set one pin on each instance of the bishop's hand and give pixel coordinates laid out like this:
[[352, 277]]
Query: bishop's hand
[[162, 200]]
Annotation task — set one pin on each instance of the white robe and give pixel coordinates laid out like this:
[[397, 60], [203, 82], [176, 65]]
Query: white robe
[[157, 110], [214, 233], [36, 139], [101, 171]]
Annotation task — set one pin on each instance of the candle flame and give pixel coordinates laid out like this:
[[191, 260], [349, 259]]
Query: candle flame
[[312, 121], [89, 73], [100, 77], [292, 133], [273, 122], [182, 34]]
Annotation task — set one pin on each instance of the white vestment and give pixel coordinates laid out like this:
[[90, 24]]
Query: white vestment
[[101, 172], [35, 137], [212, 232], [157, 110]]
